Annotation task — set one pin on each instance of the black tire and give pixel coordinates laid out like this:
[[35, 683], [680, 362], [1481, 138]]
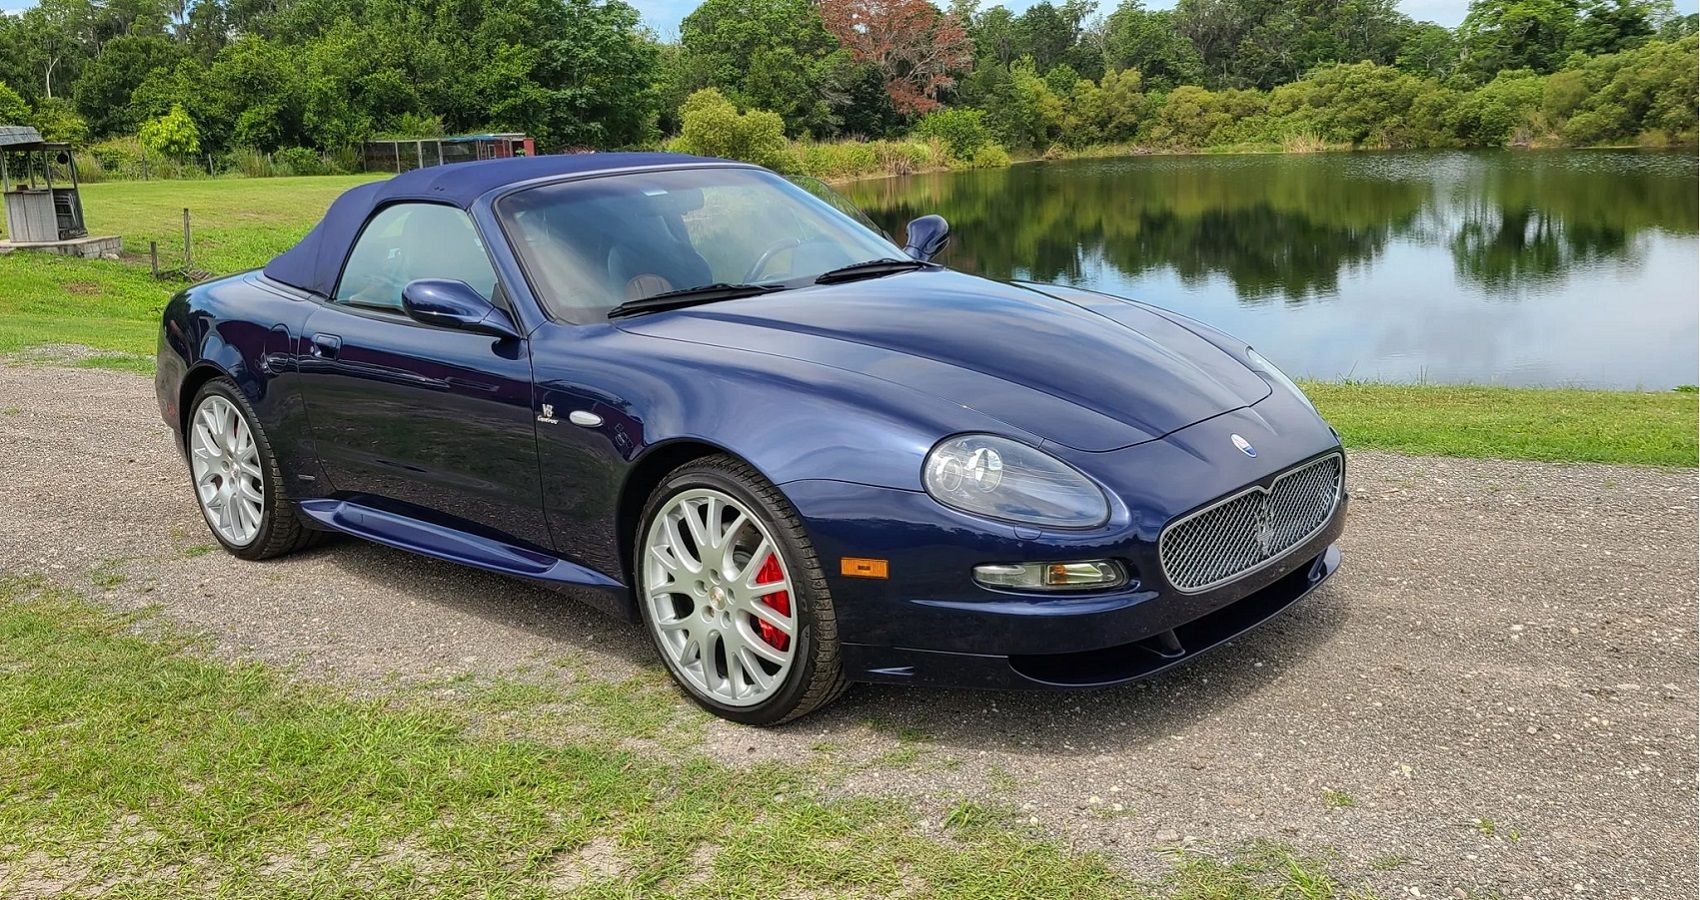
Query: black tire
[[816, 677], [281, 529]]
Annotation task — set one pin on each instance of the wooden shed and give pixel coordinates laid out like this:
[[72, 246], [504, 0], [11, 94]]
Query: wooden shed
[[38, 183]]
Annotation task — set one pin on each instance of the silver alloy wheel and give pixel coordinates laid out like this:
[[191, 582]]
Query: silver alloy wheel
[[710, 587], [225, 463]]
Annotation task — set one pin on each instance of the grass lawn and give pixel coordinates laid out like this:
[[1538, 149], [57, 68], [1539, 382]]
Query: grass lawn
[[109, 306], [240, 223], [138, 766], [1566, 425], [237, 223]]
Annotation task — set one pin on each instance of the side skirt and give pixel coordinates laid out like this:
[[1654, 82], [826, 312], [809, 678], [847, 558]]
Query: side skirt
[[456, 546]]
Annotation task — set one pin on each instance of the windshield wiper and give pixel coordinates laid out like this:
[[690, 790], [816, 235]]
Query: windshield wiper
[[873, 268], [706, 293]]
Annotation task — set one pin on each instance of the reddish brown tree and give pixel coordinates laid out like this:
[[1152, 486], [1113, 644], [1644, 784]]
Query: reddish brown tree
[[918, 49]]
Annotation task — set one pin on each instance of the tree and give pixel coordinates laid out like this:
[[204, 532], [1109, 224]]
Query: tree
[[1611, 26], [57, 120], [172, 135], [1215, 29], [58, 34], [1501, 35], [103, 89], [1149, 43], [771, 54], [1429, 50], [918, 50], [13, 109]]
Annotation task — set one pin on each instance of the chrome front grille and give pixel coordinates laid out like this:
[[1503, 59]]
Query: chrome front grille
[[1256, 526]]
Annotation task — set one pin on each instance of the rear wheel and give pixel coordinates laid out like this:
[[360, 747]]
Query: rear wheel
[[236, 478], [734, 597]]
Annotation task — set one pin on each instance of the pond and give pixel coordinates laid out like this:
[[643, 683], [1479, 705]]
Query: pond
[[1528, 268]]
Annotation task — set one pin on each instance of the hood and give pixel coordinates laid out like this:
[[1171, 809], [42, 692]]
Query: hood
[[1098, 378]]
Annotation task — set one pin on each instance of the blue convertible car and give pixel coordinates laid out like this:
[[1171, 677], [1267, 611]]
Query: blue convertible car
[[698, 396]]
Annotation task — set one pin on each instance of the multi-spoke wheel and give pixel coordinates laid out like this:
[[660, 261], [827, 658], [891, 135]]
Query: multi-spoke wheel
[[235, 476], [733, 596], [226, 464]]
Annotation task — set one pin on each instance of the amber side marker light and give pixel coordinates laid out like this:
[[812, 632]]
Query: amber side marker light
[[865, 568]]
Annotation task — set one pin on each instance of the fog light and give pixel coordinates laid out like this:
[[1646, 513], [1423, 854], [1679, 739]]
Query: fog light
[[1067, 576]]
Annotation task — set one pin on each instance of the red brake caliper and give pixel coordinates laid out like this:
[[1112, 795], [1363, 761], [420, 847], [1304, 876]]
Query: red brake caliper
[[779, 600]]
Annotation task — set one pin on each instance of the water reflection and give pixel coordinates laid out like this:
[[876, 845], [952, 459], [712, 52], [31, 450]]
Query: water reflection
[[1528, 268]]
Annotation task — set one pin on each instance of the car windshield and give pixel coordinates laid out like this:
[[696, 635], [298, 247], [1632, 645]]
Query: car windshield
[[591, 245]]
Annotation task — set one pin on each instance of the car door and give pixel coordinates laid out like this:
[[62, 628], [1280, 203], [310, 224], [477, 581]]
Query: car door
[[408, 414]]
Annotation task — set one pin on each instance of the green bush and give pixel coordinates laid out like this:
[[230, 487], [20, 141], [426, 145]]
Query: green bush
[[712, 126], [172, 135], [299, 161], [118, 157], [962, 130], [13, 109], [989, 156], [1501, 111], [57, 120]]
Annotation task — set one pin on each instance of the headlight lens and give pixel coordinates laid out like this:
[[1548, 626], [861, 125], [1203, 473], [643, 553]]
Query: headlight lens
[[1276, 375], [1004, 479]]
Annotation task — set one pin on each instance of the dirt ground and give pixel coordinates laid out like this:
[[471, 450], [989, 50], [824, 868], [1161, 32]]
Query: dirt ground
[[1497, 693]]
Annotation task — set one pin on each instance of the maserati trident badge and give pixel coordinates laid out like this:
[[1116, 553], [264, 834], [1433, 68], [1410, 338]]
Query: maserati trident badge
[[1240, 442]]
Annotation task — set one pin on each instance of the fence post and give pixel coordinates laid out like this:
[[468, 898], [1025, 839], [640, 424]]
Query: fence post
[[153, 257], [188, 260]]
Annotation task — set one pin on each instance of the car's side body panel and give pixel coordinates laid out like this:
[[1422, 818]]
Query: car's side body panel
[[431, 417], [790, 419]]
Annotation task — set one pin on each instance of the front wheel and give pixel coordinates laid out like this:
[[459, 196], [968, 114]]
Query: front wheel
[[236, 478], [734, 597]]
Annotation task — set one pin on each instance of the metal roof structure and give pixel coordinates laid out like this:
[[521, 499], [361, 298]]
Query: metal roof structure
[[20, 137]]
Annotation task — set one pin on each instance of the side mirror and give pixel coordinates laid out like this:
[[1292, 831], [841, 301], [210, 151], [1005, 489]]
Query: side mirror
[[927, 237], [446, 303]]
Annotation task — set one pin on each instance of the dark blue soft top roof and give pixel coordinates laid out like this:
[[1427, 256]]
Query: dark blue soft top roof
[[313, 264]]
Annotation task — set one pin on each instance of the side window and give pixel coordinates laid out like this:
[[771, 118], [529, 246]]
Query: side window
[[409, 241]]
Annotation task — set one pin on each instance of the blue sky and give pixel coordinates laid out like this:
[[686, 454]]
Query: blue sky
[[664, 15]]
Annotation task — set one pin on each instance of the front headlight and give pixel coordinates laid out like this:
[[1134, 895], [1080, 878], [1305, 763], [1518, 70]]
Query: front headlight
[[1276, 375], [1003, 479]]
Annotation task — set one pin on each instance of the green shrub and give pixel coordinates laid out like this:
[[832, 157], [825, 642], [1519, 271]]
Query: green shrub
[[299, 161], [1501, 111], [712, 126], [962, 130], [57, 120], [117, 157], [13, 109], [989, 156], [172, 135]]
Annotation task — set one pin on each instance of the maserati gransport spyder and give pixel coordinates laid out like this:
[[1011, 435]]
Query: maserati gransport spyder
[[713, 401]]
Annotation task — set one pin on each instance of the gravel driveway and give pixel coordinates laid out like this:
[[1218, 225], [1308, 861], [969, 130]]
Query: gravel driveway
[[1498, 692]]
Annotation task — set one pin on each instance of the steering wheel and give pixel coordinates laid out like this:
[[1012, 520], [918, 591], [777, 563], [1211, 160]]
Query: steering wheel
[[773, 249]]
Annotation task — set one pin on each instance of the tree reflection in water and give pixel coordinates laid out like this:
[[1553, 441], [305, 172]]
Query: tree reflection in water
[[1194, 232]]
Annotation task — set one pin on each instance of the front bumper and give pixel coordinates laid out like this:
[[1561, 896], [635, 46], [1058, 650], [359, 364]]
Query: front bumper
[[1116, 664], [930, 623]]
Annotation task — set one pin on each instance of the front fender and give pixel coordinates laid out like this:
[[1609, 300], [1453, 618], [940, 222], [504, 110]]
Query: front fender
[[240, 329], [790, 419]]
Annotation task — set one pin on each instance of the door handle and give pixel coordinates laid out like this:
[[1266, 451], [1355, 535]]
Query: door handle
[[325, 346]]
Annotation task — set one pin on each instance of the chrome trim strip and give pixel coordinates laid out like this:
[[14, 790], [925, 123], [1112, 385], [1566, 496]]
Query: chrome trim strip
[[1334, 509]]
